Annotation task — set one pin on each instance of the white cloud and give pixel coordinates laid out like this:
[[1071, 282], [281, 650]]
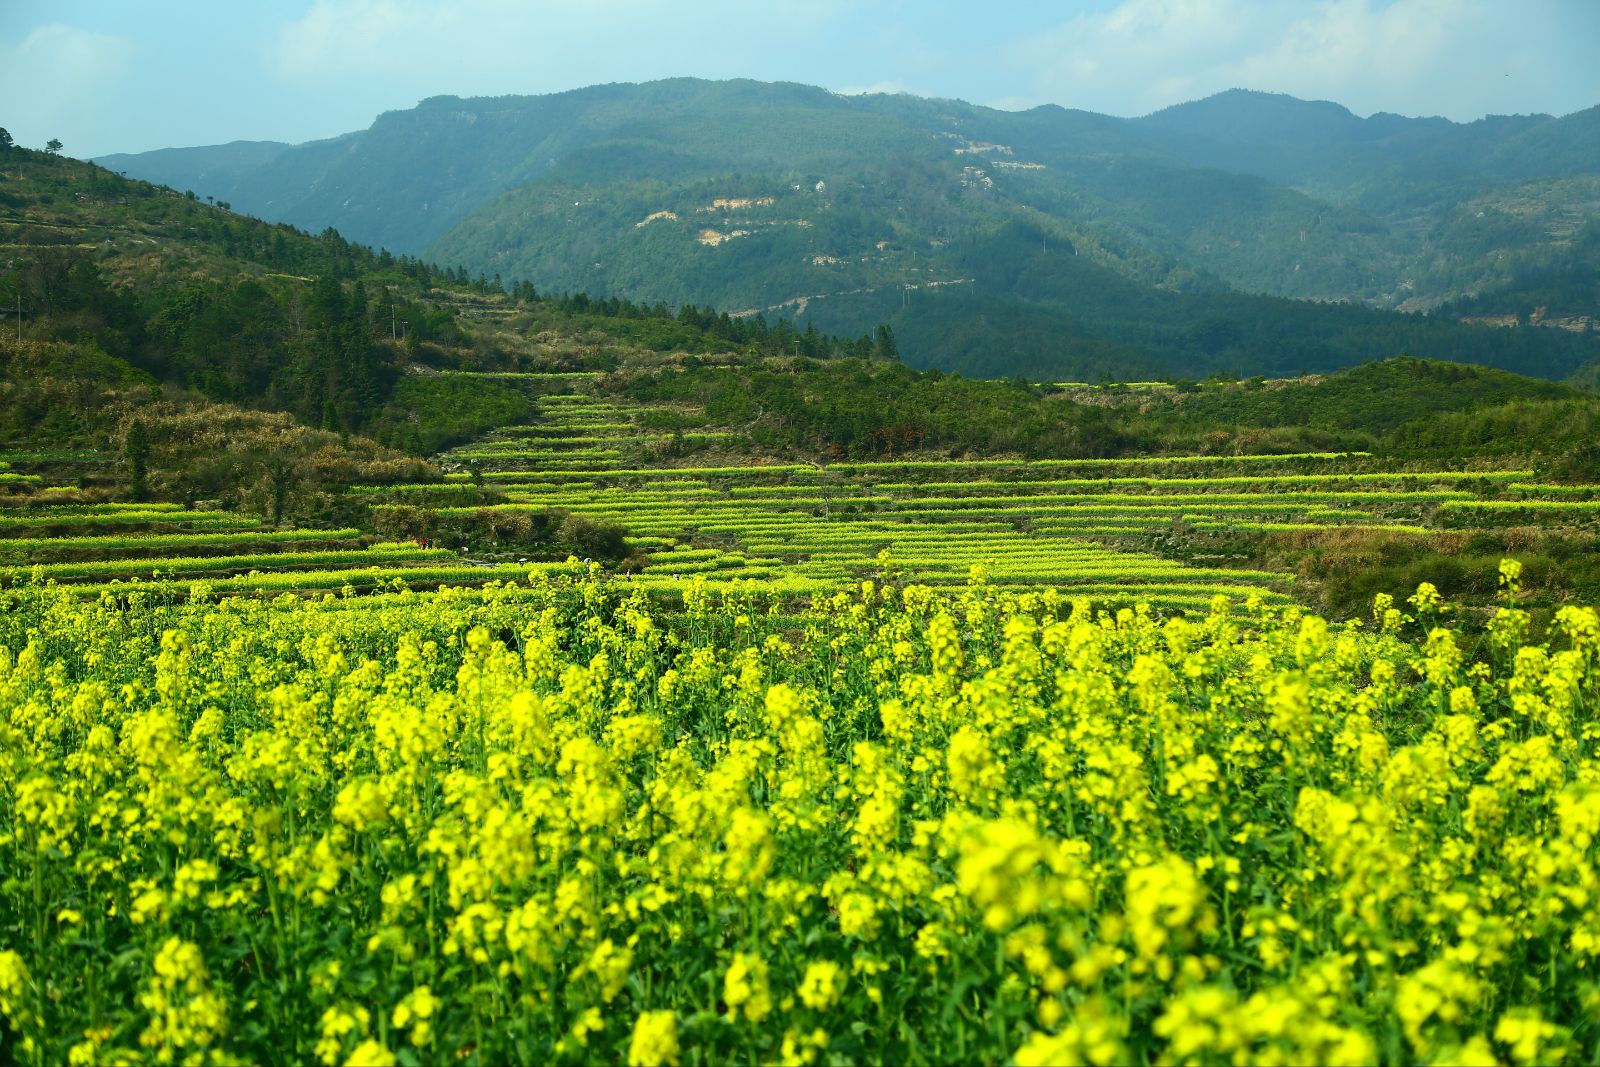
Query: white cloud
[[510, 45], [1460, 58], [333, 39], [53, 80]]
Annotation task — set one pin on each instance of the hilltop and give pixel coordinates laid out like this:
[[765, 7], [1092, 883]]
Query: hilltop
[[1049, 243]]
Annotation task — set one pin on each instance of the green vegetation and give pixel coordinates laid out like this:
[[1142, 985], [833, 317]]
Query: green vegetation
[[154, 324], [398, 670], [323, 329], [64, 548], [1261, 491], [845, 409], [1327, 527], [427, 413], [1049, 243], [670, 443]]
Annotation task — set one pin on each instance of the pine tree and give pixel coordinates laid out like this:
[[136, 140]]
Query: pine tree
[[136, 450], [883, 343]]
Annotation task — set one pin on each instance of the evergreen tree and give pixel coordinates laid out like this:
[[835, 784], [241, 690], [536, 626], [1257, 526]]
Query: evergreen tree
[[136, 451], [883, 343], [810, 341]]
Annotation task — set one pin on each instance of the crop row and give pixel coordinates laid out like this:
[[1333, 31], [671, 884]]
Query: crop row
[[94, 509], [1572, 506], [360, 578], [952, 466], [179, 565], [1057, 464], [545, 450], [12, 524], [1040, 517], [1204, 523], [1165, 499], [150, 543], [1041, 486], [570, 421], [531, 376], [566, 443]]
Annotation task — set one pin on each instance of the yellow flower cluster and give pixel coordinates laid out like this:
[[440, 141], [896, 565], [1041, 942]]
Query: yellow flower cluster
[[558, 822]]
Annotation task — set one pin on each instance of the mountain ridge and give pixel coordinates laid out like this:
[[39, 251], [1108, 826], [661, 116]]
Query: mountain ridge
[[1244, 191]]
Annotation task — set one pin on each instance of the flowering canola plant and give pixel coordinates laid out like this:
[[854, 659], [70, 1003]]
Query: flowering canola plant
[[563, 822]]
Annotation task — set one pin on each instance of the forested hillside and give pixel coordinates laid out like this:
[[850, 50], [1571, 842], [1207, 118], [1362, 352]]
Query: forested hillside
[[129, 290], [1050, 243], [204, 354]]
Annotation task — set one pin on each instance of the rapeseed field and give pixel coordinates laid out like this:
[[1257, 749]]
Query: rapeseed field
[[558, 820]]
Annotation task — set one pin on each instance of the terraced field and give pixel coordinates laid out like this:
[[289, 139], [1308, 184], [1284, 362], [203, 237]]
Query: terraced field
[[697, 508], [1083, 527], [46, 535]]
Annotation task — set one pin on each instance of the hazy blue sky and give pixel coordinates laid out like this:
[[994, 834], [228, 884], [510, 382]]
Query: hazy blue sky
[[117, 75]]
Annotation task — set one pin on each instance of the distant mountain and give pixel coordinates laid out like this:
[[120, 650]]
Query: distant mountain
[[209, 168], [1048, 241], [1323, 148]]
